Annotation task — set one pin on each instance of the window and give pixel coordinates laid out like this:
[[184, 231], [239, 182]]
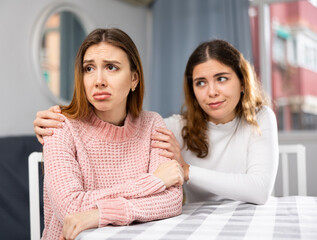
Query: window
[[279, 50], [293, 30]]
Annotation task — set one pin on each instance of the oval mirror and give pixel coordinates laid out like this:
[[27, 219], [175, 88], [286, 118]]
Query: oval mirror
[[57, 40], [63, 33]]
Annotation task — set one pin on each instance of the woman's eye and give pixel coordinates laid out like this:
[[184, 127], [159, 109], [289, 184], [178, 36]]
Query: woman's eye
[[200, 83], [112, 67], [88, 69], [222, 79]]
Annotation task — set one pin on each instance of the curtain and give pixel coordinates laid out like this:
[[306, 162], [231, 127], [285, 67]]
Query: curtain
[[178, 27], [72, 35]]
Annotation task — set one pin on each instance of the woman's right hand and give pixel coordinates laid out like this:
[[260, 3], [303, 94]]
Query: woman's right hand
[[171, 173], [77, 222], [47, 119]]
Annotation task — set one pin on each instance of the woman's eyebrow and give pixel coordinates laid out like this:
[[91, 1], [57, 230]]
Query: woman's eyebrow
[[199, 79], [112, 61], [216, 75], [221, 73], [88, 61], [106, 61]]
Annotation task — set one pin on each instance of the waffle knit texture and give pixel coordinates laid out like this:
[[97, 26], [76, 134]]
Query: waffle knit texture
[[93, 164]]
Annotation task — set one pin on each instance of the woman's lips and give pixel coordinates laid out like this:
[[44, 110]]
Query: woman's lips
[[101, 95], [215, 104]]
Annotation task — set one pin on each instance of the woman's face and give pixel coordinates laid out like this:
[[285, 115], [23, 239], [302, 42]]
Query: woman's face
[[217, 89], [108, 80]]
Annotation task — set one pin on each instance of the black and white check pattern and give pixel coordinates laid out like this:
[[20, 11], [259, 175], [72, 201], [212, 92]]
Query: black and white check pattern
[[280, 218]]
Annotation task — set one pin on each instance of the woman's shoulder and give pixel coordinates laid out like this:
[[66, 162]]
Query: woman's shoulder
[[70, 121], [64, 132], [266, 116], [175, 118], [176, 121], [265, 112], [149, 115], [69, 125], [147, 121], [149, 118]]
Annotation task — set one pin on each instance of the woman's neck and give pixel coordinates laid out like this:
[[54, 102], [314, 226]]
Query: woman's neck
[[114, 118]]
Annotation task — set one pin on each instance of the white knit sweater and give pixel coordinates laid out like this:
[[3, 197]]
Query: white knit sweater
[[241, 164]]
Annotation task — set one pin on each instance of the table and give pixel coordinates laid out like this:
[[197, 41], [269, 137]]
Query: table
[[280, 218]]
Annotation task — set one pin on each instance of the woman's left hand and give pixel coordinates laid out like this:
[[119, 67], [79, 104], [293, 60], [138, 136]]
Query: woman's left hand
[[166, 140], [78, 222]]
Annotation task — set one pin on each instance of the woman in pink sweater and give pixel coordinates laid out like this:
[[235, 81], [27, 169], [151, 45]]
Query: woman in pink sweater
[[100, 168]]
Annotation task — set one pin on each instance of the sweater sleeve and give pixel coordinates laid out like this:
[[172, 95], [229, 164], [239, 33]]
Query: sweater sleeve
[[256, 184], [165, 204], [123, 211], [64, 180]]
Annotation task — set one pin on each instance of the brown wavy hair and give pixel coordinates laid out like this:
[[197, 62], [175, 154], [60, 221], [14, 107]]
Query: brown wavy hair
[[195, 129], [80, 107]]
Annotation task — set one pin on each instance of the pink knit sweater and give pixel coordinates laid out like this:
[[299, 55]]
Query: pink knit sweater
[[92, 164]]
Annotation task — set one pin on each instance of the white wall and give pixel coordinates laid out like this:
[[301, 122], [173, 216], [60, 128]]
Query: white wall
[[20, 93]]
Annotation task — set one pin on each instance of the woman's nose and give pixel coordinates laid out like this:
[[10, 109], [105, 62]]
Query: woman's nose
[[101, 80], [213, 90]]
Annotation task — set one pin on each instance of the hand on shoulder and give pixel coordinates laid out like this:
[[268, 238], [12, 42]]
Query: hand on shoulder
[[47, 119]]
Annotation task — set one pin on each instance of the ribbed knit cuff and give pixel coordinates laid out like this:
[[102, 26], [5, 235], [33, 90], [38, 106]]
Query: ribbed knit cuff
[[114, 211], [154, 186]]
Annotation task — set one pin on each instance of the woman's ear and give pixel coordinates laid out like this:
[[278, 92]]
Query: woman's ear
[[135, 81], [242, 89]]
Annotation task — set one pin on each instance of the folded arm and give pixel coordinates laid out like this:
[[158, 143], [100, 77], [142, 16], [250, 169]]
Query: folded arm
[[122, 211], [65, 184], [256, 184], [156, 206]]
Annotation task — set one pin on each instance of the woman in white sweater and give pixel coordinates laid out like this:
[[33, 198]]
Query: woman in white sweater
[[225, 137]]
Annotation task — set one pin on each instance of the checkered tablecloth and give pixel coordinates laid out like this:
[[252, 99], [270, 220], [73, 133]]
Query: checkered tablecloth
[[280, 218]]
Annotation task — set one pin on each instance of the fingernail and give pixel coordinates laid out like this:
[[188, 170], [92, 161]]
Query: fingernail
[[60, 124]]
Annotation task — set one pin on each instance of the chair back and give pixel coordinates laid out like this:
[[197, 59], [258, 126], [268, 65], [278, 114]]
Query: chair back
[[34, 194], [300, 152]]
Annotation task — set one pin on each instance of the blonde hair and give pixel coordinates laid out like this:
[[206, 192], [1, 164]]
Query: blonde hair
[[251, 100]]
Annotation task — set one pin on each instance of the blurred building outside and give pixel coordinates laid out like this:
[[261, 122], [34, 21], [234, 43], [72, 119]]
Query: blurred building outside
[[293, 54]]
